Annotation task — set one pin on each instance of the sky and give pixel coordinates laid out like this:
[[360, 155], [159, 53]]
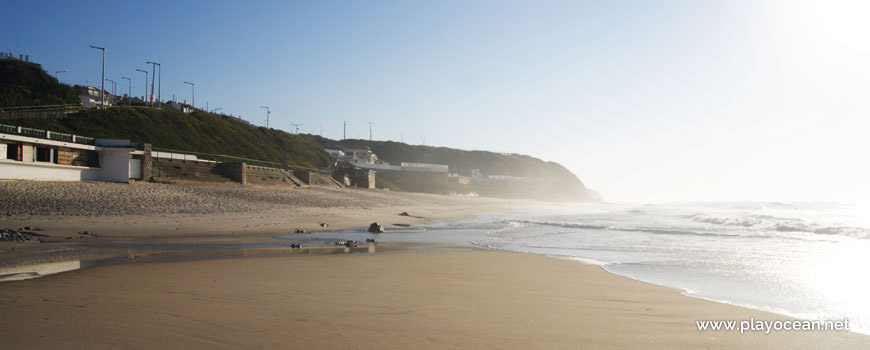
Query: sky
[[643, 100]]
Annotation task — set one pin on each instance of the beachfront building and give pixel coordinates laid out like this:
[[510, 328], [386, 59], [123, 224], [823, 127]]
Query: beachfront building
[[31, 154], [358, 155], [335, 153], [181, 106], [89, 96]]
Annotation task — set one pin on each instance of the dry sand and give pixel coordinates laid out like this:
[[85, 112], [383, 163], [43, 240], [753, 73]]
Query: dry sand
[[431, 300]]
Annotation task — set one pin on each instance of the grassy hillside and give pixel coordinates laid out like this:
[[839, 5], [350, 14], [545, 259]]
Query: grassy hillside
[[197, 132], [27, 84], [545, 180]]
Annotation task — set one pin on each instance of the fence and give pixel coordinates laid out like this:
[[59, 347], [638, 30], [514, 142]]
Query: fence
[[38, 112], [42, 134]]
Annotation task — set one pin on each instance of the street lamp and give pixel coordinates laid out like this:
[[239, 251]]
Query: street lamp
[[146, 84], [129, 87], [103, 76], [217, 109], [58, 72], [113, 85], [267, 115], [192, 93], [159, 79]]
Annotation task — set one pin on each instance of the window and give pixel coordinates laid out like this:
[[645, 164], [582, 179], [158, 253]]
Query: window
[[43, 154], [12, 151]]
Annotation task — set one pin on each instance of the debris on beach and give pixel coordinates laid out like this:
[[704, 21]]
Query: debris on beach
[[376, 228], [295, 246], [404, 213], [8, 235], [323, 224], [349, 244], [300, 231], [86, 233]]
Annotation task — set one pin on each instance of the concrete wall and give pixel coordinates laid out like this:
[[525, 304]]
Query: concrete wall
[[115, 165], [15, 170], [267, 176], [135, 168], [186, 170]]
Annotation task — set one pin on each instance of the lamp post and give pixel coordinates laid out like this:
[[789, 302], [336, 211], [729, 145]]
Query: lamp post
[[57, 72], [103, 76], [129, 87], [159, 79], [146, 84], [192, 93], [113, 85], [267, 115], [217, 109]]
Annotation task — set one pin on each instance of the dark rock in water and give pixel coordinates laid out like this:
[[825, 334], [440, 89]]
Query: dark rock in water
[[404, 213], [376, 228], [370, 240], [7, 235], [323, 224]]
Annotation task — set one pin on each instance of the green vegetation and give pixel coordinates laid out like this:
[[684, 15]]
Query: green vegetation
[[27, 84], [542, 180], [197, 132]]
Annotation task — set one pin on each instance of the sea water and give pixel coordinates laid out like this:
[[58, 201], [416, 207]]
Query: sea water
[[806, 260]]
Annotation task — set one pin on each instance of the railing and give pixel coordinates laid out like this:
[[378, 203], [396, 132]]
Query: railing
[[42, 134], [37, 112], [220, 158]]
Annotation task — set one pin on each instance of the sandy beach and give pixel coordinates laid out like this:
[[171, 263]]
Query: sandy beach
[[432, 300], [463, 298]]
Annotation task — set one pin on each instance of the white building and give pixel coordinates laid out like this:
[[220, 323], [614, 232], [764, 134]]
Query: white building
[[30, 154], [184, 107], [335, 153], [90, 97]]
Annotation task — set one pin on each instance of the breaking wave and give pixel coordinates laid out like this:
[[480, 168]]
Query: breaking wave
[[773, 223]]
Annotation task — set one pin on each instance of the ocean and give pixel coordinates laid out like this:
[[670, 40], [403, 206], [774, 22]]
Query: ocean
[[804, 260]]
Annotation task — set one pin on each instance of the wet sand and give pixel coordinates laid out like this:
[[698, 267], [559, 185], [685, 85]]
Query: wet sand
[[424, 300], [248, 298]]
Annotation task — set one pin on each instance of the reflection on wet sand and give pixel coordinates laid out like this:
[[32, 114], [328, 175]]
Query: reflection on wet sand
[[17, 273]]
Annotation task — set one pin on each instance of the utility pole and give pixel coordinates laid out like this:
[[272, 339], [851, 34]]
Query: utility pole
[[344, 134], [113, 85], [102, 77], [146, 85], [370, 131], [193, 94], [153, 76], [267, 115], [129, 87], [159, 79], [296, 127], [402, 135]]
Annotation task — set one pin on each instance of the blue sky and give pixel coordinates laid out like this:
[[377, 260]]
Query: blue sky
[[643, 100]]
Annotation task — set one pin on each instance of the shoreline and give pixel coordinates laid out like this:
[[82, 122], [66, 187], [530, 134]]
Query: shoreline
[[430, 299], [475, 296]]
